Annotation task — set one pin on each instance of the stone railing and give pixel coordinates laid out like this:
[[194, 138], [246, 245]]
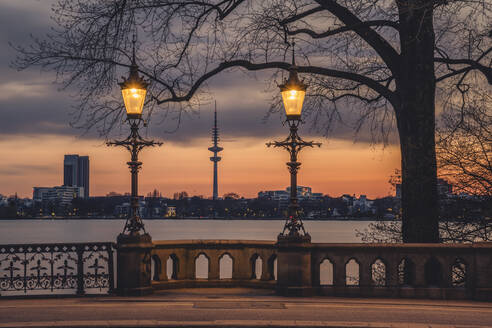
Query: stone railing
[[448, 271], [195, 263]]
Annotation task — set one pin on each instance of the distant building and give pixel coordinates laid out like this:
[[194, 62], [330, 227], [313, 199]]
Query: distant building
[[124, 210], [444, 188], [302, 192], [283, 196], [76, 172], [40, 193], [3, 200], [62, 195], [274, 195], [358, 205], [398, 190], [362, 205]]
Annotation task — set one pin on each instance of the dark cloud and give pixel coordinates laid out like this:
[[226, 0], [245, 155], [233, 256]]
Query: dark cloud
[[18, 21], [43, 113], [33, 105]]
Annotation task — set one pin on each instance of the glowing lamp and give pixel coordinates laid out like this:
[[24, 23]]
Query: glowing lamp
[[293, 92], [133, 91]]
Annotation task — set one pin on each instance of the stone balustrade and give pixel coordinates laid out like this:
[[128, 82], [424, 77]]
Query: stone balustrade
[[447, 271], [195, 263]]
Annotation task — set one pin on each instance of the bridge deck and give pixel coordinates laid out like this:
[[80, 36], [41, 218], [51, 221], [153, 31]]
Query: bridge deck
[[240, 307]]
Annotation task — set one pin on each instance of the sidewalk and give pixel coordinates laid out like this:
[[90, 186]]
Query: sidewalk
[[240, 308]]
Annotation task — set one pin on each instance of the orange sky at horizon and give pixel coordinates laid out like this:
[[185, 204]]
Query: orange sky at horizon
[[247, 167]]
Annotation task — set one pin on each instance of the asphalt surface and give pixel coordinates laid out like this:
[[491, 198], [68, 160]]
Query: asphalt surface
[[240, 308]]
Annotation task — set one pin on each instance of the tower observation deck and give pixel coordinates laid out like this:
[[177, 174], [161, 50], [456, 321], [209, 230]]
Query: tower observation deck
[[215, 149]]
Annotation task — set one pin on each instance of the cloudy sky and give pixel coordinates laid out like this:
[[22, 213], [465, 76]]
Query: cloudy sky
[[35, 134]]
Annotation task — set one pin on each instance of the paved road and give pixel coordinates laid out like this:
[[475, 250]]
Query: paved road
[[240, 308]]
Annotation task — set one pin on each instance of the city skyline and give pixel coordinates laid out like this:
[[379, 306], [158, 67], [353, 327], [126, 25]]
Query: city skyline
[[191, 169]]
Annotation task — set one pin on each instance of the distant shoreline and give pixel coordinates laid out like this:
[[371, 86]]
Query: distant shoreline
[[198, 219]]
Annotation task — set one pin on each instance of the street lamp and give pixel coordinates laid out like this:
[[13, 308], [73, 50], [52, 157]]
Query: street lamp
[[293, 92], [133, 90]]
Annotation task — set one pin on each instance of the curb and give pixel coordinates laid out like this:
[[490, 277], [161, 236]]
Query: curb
[[222, 324]]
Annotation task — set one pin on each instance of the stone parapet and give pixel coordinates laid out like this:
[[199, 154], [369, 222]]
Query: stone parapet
[[441, 271]]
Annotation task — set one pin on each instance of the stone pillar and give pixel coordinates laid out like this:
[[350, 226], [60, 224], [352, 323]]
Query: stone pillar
[[294, 266], [213, 266], [481, 281], [134, 264]]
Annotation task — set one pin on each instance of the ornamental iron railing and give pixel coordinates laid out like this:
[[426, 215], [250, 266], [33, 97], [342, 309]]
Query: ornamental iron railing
[[40, 269]]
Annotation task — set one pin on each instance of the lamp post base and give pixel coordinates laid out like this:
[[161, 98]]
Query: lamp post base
[[134, 264], [295, 238], [294, 265]]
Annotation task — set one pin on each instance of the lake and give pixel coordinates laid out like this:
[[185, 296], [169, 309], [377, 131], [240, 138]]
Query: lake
[[61, 231]]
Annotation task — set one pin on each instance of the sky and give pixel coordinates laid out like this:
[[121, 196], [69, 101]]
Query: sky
[[35, 134]]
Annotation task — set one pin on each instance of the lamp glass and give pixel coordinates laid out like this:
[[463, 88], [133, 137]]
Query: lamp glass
[[293, 100], [134, 98]]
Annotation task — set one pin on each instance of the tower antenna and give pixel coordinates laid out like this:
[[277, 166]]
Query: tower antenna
[[216, 150]]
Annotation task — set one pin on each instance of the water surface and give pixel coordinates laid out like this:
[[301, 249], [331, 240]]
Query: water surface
[[59, 231]]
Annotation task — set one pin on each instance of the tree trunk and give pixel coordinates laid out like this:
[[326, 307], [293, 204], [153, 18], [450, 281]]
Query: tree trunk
[[416, 123]]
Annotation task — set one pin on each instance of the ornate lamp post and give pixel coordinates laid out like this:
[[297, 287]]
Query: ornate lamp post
[[293, 92], [134, 244], [133, 90]]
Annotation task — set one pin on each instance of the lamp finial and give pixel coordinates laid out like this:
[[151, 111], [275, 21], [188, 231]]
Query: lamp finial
[[134, 41], [293, 52]]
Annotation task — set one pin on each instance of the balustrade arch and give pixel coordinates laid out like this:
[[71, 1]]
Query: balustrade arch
[[256, 266], [379, 273], [326, 272], [459, 273], [156, 267], [172, 267], [226, 266], [406, 272], [202, 266], [272, 267], [352, 272]]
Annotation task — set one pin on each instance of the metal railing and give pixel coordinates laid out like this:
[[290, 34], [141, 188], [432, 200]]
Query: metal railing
[[56, 269]]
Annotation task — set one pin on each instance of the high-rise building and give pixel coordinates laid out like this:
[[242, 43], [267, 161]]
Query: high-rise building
[[76, 172], [83, 174], [215, 149]]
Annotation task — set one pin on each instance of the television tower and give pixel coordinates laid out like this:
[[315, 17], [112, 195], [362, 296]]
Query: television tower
[[215, 149]]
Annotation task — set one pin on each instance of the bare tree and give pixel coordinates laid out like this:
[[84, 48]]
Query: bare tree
[[464, 156], [464, 150], [464, 145], [383, 59]]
